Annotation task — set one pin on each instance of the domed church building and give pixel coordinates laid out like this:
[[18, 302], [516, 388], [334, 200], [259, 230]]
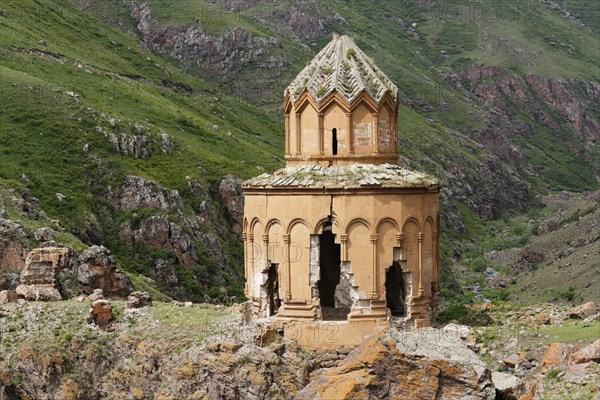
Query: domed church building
[[342, 238]]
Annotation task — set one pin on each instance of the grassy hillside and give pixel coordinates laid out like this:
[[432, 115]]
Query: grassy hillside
[[75, 74], [64, 74]]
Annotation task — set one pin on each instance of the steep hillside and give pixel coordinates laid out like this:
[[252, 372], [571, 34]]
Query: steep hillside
[[122, 120], [97, 132]]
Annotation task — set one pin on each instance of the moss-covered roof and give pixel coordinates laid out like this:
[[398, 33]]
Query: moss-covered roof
[[356, 175], [343, 67]]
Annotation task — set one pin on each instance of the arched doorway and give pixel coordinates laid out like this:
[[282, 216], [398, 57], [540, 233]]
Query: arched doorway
[[394, 290], [330, 273]]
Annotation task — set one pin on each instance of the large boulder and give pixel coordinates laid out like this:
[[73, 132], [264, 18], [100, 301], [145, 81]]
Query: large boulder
[[100, 314], [588, 353], [406, 365], [8, 296], [139, 300], [98, 269], [583, 311], [44, 234], [557, 355], [38, 293], [508, 387]]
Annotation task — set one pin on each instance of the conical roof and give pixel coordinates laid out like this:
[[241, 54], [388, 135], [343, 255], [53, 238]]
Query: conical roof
[[343, 67]]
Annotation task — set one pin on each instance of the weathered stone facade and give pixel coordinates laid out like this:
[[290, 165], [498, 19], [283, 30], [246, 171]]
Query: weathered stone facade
[[342, 233]]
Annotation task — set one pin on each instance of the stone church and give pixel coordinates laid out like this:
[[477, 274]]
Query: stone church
[[342, 238]]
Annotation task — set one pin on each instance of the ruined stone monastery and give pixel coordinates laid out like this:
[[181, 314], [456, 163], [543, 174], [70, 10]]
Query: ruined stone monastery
[[342, 237]]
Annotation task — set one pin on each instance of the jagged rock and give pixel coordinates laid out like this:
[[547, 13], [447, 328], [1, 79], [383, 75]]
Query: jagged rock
[[139, 193], [508, 387], [407, 365], [44, 234], [38, 292], [14, 245], [98, 269], [589, 321], [165, 272], [542, 319], [590, 353], [100, 314], [232, 196], [556, 355], [158, 232], [8, 296], [98, 294], [139, 300], [584, 310], [45, 265], [512, 360], [462, 332]]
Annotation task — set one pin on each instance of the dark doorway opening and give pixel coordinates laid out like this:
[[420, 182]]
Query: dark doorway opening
[[394, 289], [330, 271], [334, 141], [273, 289], [329, 262]]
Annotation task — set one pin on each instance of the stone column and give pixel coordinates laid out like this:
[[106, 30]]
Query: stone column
[[287, 134], [265, 239], [374, 294], [288, 267], [436, 261], [246, 255], [251, 263], [421, 290], [349, 144], [344, 241], [400, 242], [394, 132], [375, 133], [321, 135], [298, 134]]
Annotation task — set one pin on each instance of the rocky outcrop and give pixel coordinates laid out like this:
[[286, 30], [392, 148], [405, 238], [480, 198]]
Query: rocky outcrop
[[158, 232], [552, 103], [43, 272], [138, 193], [98, 269], [44, 234], [221, 55], [405, 365], [44, 266], [138, 142], [232, 197], [14, 245], [139, 300]]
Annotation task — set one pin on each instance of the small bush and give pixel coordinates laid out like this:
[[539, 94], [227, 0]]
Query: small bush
[[452, 313]]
